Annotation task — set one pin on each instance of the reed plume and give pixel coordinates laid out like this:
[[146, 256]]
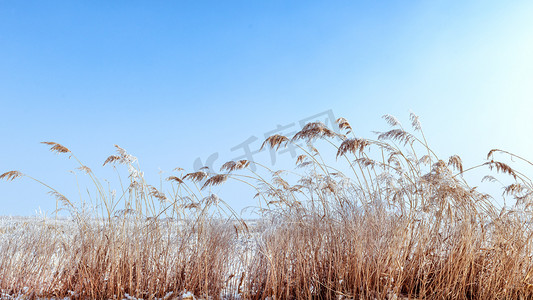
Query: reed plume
[[390, 220], [11, 175], [57, 147]]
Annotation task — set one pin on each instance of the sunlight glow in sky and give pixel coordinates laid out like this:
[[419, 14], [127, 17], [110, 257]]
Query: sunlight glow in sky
[[173, 82]]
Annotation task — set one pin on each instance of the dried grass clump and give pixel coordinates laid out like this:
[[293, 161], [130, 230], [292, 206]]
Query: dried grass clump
[[382, 218], [144, 243], [400, 226]]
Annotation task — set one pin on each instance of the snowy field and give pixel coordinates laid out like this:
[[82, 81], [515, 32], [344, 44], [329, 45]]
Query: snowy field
[[40, 247]]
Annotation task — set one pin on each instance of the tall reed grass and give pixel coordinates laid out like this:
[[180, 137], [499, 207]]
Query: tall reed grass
[[382, 218]]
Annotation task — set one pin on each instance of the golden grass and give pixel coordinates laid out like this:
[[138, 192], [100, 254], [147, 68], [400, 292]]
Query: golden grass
[[360, 219]]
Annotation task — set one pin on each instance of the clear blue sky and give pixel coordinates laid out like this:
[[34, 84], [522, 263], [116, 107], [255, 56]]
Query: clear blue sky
[[172, 81]]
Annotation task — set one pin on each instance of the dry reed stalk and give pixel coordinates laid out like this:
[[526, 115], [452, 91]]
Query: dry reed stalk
[[398, 226]]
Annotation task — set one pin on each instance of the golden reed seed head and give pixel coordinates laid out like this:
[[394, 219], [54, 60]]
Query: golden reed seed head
[[122, 158], [243, 163], [57, 147], [426, 159], [215, 180], [391, 120], [231, 165], [111, 159], [491, 153], [343, 124], [196, 176], [276, 140], [514, 189], [211, 199], [300, 158], [399, 135], [280, 182], [192, 205], [501, 167], [11, 175], [176, 179], [415, 122], [353, 146], [61, 198], [456, 162], [365, 162], [85, 169], [157, 194], [314, 130], [489, 178]]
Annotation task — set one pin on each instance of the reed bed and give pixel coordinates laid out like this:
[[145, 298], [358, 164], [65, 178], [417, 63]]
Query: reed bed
[[382, 218]]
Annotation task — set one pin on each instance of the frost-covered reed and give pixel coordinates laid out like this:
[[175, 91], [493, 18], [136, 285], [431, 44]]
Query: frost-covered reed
[[360, 218]]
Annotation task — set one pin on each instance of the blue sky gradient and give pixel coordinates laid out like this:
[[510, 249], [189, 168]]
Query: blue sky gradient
[[175, 81]]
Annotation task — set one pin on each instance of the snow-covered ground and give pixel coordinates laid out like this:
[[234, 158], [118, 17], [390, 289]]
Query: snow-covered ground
[[16, 231]]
